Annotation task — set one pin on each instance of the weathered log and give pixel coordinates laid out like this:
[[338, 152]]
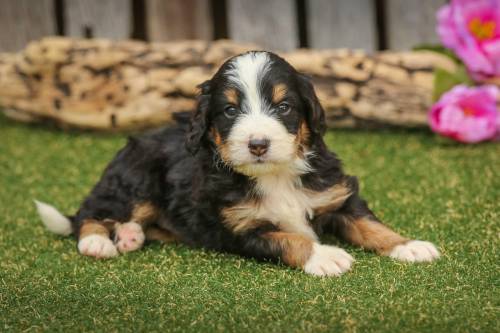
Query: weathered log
[[104, 85]]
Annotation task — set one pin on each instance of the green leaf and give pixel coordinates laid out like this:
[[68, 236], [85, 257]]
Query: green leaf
[[463, 76], [444, 80]]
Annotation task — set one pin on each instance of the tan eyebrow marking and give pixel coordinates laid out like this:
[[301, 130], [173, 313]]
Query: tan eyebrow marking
[[231, 95], [279, 92]]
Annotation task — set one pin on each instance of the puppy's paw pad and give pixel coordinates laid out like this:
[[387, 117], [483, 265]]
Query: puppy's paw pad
[[97, 246], [129, 237], [328, 260], [415, 251]]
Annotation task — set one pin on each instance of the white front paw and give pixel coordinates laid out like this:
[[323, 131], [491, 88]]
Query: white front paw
[[97, 246], [129, 237], [328, 260], [415, 251]]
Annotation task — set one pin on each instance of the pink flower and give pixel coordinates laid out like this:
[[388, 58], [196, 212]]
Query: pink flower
[[467, 114], [471, 28]]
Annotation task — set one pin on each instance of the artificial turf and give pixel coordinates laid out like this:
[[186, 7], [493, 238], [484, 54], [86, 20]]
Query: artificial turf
[[425, 187]]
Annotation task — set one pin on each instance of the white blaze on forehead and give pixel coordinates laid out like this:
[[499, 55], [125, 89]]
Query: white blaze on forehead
[[246, 73]]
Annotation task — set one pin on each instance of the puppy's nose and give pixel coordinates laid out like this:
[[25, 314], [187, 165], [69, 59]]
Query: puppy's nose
[[258, 147]]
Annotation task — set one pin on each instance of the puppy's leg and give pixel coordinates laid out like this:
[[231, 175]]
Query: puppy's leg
[[130, 236], [371, 234], [94, 239], [298, 251], [358, 225]]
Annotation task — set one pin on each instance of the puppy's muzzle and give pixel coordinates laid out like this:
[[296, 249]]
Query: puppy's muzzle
[[258, 147]]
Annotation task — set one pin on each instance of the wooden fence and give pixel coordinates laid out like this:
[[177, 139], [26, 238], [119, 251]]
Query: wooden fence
[[275, 24]]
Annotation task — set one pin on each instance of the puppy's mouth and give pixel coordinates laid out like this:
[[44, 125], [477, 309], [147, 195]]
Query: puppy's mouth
[[260, 166], [265, 160], [260, 160]]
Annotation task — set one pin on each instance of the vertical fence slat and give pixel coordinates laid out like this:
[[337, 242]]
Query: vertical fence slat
[[271, 24], [411, 22], [24, 20], [178, 19], [342, 23], [98, 18]]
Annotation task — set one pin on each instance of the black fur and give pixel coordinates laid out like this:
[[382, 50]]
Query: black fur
[[176, 169]]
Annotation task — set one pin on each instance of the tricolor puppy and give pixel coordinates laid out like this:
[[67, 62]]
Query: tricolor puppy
[[248, 174]]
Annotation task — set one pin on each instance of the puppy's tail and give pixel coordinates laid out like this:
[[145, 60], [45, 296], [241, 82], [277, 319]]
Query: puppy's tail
[[53, 219]]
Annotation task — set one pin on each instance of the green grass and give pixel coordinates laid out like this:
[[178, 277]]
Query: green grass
[[425, 187]]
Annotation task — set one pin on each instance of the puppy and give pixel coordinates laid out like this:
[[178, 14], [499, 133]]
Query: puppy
[[248, 173]]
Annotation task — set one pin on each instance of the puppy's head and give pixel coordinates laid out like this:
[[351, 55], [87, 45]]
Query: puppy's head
[[260, 114]]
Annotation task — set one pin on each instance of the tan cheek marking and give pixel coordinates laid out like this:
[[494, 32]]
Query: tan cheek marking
[[231, 95], [242, 217], [302, 138], [372, 235], [295, 249], [224, 152], [304, 133], [279, 92], [216, 136], [329, 200], [221, 146], [93, 227], [144, 213]]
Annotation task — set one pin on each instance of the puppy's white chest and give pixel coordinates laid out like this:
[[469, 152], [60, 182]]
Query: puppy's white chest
[[285, 205]]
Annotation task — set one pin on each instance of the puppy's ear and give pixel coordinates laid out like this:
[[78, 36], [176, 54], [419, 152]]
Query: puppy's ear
[[315, 115], [199, 120]]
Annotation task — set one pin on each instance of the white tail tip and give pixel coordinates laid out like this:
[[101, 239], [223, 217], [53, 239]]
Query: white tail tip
[[53, 219]]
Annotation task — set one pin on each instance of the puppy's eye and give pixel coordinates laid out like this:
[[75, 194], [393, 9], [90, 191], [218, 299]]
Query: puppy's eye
[[230, 112], [284, 108]]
